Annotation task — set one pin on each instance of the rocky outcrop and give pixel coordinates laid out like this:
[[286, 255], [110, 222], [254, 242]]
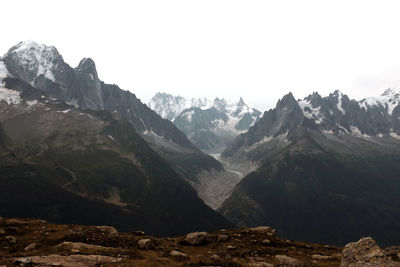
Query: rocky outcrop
[[365, 253], [145, 243], [66, 261], [196, 239]]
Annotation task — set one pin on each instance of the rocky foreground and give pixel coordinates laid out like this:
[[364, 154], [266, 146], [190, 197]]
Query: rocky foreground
[[30, 242]]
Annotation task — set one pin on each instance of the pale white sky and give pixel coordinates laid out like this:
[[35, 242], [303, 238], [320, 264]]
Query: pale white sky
[[256, 49]]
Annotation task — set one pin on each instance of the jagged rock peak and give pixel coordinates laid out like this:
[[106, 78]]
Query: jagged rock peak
[[32, 48], [241, 102], [86, 62], [28, 60], [390, 99], [87, 66], [391, 92], [287, 100]]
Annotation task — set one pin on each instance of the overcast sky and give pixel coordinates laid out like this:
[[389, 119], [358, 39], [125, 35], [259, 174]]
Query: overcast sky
[[256, 49]]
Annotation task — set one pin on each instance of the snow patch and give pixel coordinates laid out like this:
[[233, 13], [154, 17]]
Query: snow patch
[[73, 103], [32, 103], [188, 115], [339, 104], [311, 112], [10, 96], [112, 138], [36, 58], [64, 111], [390, 99], [395, 136], [356, 132]]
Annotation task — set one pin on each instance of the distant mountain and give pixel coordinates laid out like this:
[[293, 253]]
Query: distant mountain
[[169, 107], [210, 125], [73, 165], [322, 163]]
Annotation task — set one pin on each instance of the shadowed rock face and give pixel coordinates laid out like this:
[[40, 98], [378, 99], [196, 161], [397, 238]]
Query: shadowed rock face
[[71, 165], [322, 163]]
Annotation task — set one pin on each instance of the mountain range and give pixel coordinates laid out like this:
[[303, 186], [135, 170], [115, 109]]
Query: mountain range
[[322, 163], [210, 125], [77, 150], [74, 149]]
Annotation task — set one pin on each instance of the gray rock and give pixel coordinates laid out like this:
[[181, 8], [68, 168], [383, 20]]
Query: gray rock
[[196, 238], [215, 257], [145, 243], [178, 255], [67, 261], [266, 241], [365, 252], [264, 229], [107, 231], [283, 260], [323, 257], [261, 264], [31, 247], [222, 238], [78, 246]]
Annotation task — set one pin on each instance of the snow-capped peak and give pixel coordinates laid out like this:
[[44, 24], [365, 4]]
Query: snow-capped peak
[[169, 106], [390, 99], [36, 59]]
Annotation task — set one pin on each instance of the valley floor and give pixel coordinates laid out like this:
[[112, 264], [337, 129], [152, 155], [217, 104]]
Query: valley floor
[[214, 187]]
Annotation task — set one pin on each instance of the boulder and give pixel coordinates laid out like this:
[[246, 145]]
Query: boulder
[[365, 252], [196, 239], [222, 238], [107, 231], [283, 260], [215, 257], [2, 231], [66, 261], [261, 264], [266, 241], [264, 229], [322, 257], [145, 243], [77, 247], [178, 255], [31, 247]]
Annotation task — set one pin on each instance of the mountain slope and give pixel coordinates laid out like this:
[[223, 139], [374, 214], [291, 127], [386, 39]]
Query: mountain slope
[[66, 164], [322, 164], [43, 68]]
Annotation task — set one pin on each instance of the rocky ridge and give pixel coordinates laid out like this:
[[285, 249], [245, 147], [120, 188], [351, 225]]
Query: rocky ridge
[[323, 162]]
